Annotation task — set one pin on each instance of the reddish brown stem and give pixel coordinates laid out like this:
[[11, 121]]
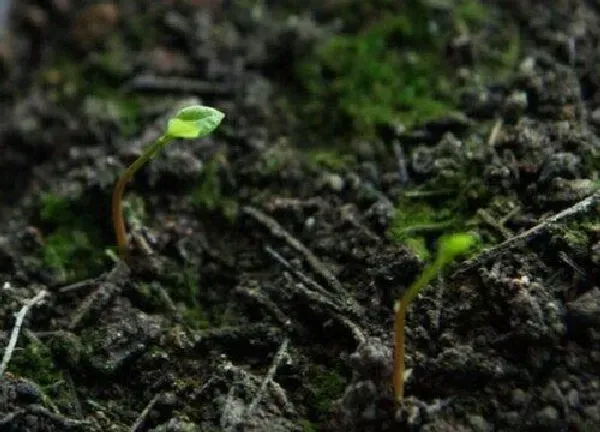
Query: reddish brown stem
[[117, 196]]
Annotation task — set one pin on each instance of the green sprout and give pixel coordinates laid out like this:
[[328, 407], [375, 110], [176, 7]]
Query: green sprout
[[449, 247], [191, 122]]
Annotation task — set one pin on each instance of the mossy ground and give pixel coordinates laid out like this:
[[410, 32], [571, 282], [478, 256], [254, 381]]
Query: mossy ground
[[297, 222], [73, 240]]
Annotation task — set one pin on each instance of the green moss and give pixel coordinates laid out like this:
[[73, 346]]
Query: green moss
[[330, 159], [389, 72], [388, 65], [325, 386], [55, 209], [34, 361], [372, 84], [576, 236], [95, 87], [186, 294], [69, 253], [209, 196], [276, 158], [73, 245], [183, 286], [307, 425], [469, 13], [417, 221]]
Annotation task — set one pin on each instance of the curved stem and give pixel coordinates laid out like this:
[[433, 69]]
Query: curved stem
[[399, 361], [117, 196]]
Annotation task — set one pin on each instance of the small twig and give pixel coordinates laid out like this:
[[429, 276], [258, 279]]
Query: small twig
[[439, 295], [268, 379], [401, 161], [84, 284], [29, 303], [65, 422], [495, 133], [279, 232], [232, 418], [357, 333], [321, 296], [315, 286], [327, 305], [493, 222], [527, 235], [144, 414], [258, 296], [102, 295]]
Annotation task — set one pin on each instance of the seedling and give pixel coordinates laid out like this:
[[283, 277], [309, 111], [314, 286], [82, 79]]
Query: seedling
[[449, 247], [191, 122]]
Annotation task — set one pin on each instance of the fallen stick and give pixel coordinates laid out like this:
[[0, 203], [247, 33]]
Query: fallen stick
[[12, 343]]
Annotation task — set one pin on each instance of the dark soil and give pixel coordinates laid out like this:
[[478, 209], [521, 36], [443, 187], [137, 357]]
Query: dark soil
[[267, 257]]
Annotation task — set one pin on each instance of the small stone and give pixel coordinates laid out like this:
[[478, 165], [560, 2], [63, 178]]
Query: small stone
[[511, 418], [527, 66], [519, 398], [516, 102], [334, 182], [381, 213], [478, 423], [365, 150], [585, 310], [573, 398], [422, 160], [592, 412], [547, 416], [595, 117]]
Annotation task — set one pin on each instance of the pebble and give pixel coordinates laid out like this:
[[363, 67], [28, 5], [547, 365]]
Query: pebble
[[595, 116], [519, 398], [585, 310], [573, 398], [593, 412], [478, 423], [547, 416], [334, 182]]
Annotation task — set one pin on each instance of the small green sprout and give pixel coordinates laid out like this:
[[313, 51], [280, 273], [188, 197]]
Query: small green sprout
[[191, 122], [449, 247]]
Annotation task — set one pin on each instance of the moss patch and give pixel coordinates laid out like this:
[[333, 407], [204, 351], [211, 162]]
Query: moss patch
[[325, 386], [391, 68], [73, 247], [209, 195]]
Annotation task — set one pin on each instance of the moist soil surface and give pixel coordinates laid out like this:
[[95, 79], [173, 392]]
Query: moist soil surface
[[265, 259]]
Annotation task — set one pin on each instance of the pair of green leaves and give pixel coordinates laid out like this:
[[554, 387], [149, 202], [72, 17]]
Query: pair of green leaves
[[449, 247], [194, 121]]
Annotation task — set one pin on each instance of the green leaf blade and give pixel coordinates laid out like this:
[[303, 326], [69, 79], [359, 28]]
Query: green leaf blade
[[454, 245], [194, 121]]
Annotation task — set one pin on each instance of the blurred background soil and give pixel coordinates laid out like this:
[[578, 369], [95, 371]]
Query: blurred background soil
[[268, 255]]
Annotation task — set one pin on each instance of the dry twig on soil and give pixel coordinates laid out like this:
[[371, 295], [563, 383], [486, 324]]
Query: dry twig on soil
[[277, 231], [12, 343], [524, 237]]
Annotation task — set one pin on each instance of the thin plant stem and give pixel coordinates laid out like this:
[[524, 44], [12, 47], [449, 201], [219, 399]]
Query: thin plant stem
[[400, 324], [117, 197], [399, 340]]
